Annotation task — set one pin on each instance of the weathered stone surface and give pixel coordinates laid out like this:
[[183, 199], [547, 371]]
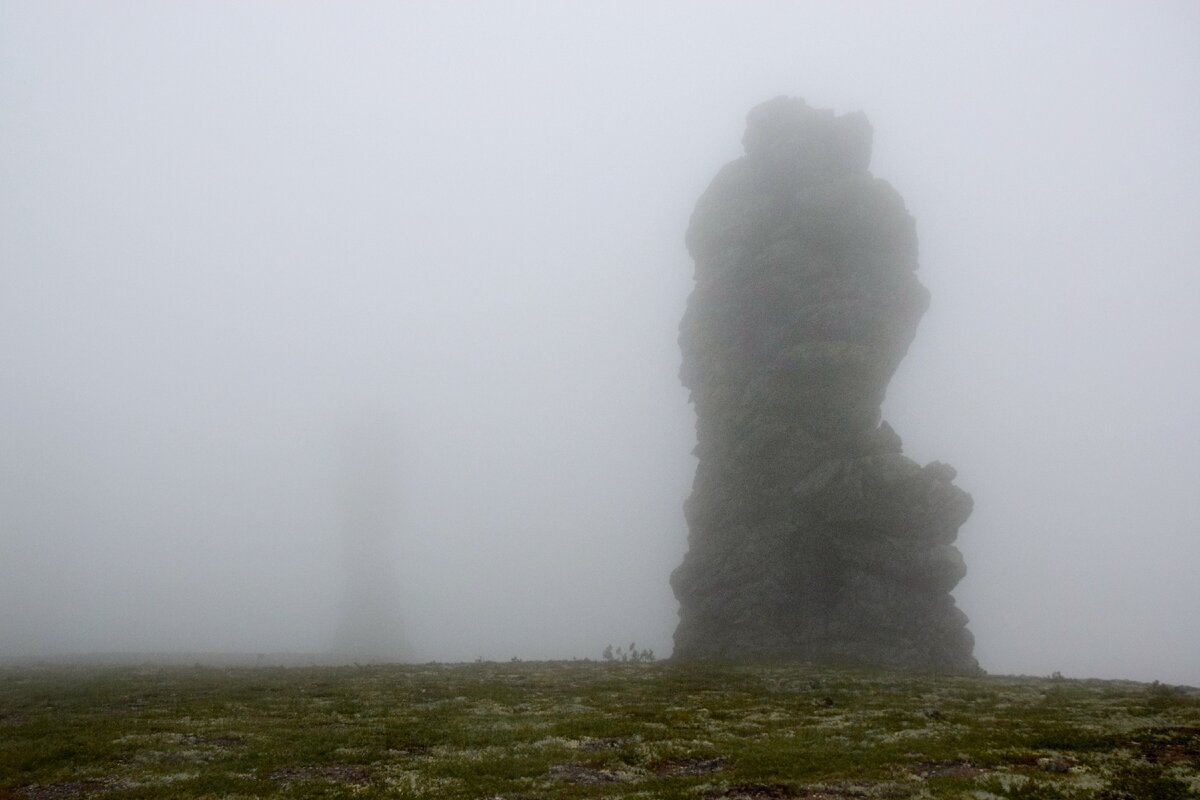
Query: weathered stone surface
[[811, 536]]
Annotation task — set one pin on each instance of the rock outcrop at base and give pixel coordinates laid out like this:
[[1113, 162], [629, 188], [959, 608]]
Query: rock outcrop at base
[[811, 536]]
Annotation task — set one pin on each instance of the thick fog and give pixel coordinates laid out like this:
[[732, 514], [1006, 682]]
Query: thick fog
[[260, 262]]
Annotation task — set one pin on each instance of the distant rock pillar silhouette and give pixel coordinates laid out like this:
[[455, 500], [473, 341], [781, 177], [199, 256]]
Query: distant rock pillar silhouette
[[370, 629], [810, 536]]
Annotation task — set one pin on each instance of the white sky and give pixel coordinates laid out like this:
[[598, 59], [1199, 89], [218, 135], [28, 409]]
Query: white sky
[[229, 230]]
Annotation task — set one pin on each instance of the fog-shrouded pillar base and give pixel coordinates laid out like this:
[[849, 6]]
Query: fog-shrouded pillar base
[[370, 628]]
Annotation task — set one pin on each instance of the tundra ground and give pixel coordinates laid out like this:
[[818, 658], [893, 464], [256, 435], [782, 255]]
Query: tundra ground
[[586, 729]]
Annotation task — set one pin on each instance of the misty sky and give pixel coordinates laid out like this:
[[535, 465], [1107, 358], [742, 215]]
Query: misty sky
[[232, 232]]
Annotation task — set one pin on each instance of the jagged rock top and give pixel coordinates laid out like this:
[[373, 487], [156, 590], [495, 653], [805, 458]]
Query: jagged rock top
[[788, 134], [804, 177]]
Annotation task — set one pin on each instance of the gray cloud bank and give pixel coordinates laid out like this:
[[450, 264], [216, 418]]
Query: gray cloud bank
[[228, 231]]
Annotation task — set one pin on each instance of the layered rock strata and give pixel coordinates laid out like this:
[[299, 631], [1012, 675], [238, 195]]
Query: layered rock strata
[[810, 535]]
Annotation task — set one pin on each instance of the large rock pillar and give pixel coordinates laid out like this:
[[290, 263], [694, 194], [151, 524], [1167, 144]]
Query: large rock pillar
[[810, 535]]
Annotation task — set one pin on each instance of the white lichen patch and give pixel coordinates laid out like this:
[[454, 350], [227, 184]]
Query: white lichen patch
[[489, 708], [836, 721], [766, 716], [172, 777], [416, 783], [352, 753], [557, 741]]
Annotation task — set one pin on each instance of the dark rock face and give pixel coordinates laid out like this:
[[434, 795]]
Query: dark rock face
[[811, 536]]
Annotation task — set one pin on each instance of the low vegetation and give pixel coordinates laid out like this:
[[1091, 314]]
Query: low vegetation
[[583, 729]]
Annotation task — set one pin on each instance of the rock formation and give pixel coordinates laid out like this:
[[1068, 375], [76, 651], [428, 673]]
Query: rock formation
[[811, 536], [370, 630]]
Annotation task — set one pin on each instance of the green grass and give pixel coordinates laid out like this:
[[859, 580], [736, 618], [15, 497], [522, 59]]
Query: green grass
[[589, 729]]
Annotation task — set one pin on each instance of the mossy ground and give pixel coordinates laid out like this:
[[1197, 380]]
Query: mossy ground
[[588, 729]]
